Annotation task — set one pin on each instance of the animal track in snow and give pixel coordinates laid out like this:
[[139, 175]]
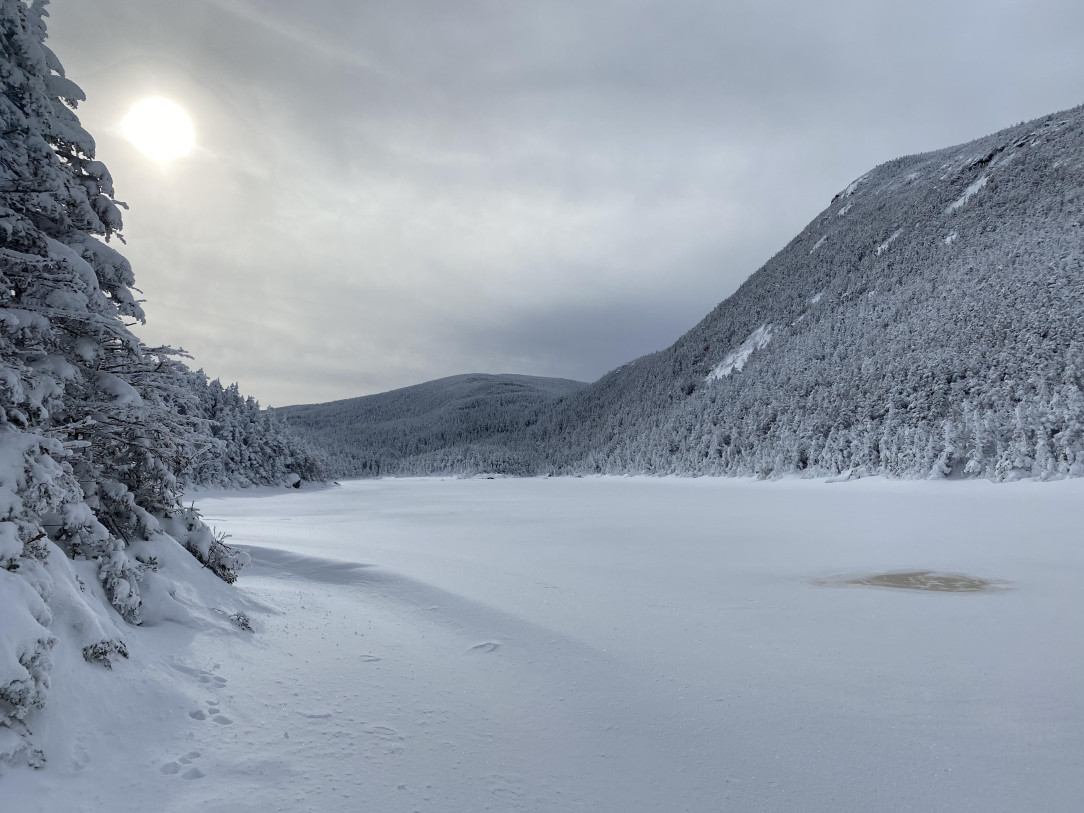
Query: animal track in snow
[[80, 755], [384, 732], [390, 740], [174, 768], [213, 712], [201, 675], [506, 788]]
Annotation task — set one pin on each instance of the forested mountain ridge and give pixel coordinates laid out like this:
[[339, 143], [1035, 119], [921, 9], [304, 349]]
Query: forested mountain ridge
[[456, 425], [929, 322]]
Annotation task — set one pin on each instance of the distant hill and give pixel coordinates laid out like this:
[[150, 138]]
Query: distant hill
[[457, 425], [929, 322]]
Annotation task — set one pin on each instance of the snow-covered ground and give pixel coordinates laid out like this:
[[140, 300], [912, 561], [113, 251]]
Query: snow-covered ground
[[602, 645]]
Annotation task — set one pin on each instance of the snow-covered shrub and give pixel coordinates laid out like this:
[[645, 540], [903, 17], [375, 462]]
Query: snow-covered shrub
[[102, 652], [25, 642], [210, 548]]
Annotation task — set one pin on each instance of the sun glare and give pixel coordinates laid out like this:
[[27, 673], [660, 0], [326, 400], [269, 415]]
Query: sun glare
[[160, 129]]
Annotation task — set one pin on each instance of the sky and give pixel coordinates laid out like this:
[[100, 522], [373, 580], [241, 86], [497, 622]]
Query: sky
[[391, 191]]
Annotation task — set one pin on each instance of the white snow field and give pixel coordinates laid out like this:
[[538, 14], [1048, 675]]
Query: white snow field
[[609, 644]]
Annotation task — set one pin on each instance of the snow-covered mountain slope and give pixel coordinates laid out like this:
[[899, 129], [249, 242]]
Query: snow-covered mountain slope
[[464, 423], [929, 321]]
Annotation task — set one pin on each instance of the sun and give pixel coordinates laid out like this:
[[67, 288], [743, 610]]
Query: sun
[[160, 129]]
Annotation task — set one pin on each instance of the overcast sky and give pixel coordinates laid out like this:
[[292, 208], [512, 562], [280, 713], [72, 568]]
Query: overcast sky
[[391, 191]]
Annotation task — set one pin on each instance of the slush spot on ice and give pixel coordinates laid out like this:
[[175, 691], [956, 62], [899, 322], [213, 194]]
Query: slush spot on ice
[[736, 359], [968, 194], [931, 581]]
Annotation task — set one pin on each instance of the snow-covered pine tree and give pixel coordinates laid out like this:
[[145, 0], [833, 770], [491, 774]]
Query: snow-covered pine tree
[[94, 426]]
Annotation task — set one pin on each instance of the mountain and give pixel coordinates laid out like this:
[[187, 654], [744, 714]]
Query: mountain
[[929, 322], [461, 424]]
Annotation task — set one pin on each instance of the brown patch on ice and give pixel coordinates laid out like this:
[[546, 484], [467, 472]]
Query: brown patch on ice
[[925, 580]]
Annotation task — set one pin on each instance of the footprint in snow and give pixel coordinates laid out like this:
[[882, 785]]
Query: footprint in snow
[[384, 732], [80, 755], [389, 740], [213, 712], [506, 788], [174, 768], [201, 675]]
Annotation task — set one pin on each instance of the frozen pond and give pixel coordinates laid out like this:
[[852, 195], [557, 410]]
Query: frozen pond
[[607, 645], [637, 644]]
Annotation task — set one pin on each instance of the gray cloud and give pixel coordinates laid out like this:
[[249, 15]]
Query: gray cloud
[[387, 192]]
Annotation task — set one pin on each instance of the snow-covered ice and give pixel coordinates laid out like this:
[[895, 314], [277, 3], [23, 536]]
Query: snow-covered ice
[[604, 644]]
